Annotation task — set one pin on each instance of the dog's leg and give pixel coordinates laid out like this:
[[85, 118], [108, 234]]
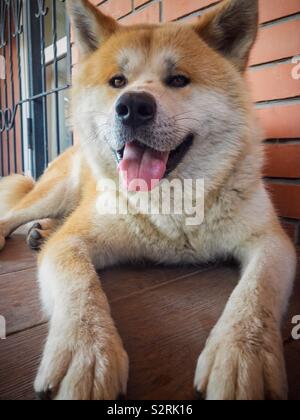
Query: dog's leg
[[48, 199], [84, 357], [243, 358]]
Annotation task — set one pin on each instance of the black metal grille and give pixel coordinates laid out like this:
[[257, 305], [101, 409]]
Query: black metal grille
[[36, 48]]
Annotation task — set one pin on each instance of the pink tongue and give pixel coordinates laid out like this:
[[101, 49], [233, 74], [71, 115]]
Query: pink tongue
[[143, 164]]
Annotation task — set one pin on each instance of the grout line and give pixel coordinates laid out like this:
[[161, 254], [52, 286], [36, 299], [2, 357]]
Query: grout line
[[278, 102], [290, 220], [282, 181], [274, 63], [280, 20], [138, 9], [197, 13], [263, 25], [161, 11], [141, 6], [281, 141]]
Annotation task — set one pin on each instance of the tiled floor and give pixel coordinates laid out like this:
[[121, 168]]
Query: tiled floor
[[164, 316]]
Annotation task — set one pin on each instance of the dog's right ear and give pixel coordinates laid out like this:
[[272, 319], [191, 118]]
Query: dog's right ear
[[91, 26]]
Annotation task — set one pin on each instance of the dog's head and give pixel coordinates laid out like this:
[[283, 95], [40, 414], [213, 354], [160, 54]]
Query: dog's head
[[164, 99]]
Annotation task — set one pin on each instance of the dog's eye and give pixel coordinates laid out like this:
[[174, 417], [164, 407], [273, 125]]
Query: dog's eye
[[178, 81], [118, 82]]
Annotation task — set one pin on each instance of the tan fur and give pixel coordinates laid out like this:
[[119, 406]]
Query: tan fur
[[84, 357], [12, 190]]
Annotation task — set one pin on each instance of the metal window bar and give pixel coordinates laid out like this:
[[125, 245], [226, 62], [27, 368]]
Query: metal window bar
[[22, 23]]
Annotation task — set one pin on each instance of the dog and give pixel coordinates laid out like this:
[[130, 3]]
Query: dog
[[157, 102]]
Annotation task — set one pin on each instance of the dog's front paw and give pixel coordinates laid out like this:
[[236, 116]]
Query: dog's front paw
[[36, 236], [244, 362], [83, 365]]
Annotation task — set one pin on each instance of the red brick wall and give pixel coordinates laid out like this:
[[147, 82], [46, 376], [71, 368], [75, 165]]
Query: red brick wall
[[275, 91]]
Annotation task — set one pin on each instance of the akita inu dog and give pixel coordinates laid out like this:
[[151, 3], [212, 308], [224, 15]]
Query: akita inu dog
[[158, 102]]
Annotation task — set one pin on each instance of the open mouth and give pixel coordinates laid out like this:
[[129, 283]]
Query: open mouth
[[142, 168]]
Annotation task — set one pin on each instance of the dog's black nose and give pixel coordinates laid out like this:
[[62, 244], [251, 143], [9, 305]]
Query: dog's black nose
[[136, 109]]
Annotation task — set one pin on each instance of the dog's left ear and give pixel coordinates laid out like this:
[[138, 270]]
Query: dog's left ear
[[231, 29], [91, 26]]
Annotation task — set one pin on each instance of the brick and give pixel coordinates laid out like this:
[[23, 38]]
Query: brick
[[277, 42], [274, 82], [268, 9], [138, 3], [286, 198], [274, 9], [282, 160], [173, 9], [116, 8], [149, 14], [280, 121]]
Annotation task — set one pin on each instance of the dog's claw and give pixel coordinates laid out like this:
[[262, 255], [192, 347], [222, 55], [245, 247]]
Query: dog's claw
[[45, 395], [35, 237], [199, 395]]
